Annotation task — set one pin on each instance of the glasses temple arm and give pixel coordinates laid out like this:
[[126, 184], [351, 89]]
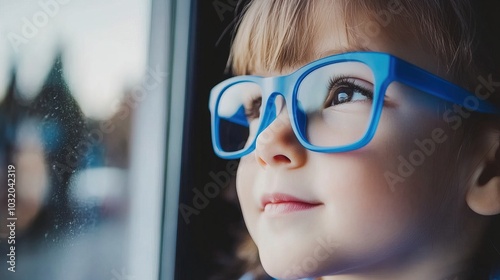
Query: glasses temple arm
[[413, 76]]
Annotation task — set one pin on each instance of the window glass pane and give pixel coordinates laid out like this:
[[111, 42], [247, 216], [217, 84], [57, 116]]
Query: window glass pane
[[72, 75]]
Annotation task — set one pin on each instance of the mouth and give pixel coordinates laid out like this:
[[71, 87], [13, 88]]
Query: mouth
[[280, 203]]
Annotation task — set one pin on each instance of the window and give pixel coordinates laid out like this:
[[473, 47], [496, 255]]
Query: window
[[83, 102]]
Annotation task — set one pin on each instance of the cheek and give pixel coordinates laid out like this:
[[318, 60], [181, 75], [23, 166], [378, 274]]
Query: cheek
[[245, 180], [415, 136], [359, 201]]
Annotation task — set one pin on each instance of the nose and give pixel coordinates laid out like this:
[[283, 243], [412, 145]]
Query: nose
[[277, 144]]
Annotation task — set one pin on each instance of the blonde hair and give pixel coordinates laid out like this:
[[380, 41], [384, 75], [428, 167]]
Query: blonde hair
[[270, 34]]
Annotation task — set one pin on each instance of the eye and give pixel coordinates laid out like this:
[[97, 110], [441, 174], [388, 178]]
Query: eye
[[346, 90]]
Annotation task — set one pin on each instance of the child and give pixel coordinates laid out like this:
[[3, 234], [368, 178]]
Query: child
[[369, 137]]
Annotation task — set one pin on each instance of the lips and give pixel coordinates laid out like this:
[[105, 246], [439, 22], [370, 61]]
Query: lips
[[280, 203]]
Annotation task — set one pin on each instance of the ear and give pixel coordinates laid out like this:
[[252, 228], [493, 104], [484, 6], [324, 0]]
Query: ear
[[483, 195]]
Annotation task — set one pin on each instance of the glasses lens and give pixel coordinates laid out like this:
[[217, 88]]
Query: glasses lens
[[239, 113], [334, 104]]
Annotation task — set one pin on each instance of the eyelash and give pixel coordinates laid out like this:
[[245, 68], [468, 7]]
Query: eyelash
[[344, 80]]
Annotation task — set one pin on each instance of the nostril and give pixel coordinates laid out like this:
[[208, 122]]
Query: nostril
[[282, 158]]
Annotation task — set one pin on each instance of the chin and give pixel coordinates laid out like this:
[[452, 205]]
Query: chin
[[281, 266], [287, 265]]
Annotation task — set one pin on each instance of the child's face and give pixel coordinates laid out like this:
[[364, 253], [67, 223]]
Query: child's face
[[352, 217]]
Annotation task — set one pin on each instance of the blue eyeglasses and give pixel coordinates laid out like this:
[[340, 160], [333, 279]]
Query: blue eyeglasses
[[334, 103]]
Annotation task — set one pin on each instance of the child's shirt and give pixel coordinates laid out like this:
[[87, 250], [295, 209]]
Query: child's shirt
[[249, 276]]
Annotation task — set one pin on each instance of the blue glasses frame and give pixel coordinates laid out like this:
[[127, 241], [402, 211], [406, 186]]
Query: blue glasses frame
[[386, 69]]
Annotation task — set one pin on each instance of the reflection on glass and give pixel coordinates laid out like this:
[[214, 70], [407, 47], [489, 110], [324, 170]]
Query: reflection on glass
[[67, 72]]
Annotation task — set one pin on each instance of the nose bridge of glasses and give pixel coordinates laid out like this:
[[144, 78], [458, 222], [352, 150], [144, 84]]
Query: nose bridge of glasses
[[274, 88], [275, 85]]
